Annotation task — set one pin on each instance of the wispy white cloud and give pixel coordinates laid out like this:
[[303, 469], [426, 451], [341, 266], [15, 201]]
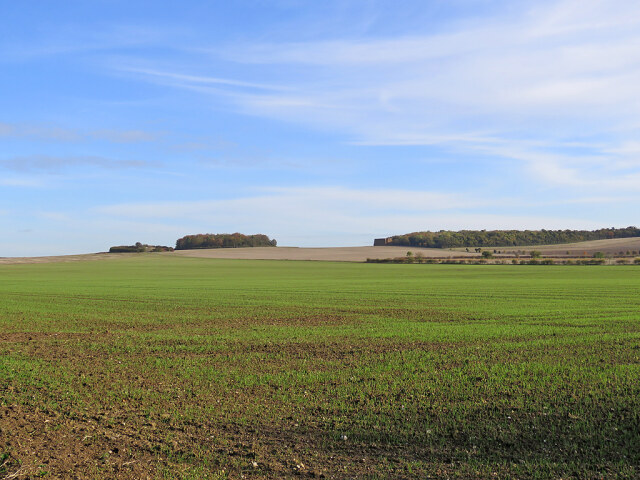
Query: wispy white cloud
[[56, 217], [75, 39], [302, 201], [593, 167], [21, 182], [529, 84], [52, 164], [567, 53], [63, 134], [124, 136], [178, 79]]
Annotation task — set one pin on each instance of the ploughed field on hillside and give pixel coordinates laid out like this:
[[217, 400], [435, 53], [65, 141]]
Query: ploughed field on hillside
[[618, 248], [615, 247], [173, 367]]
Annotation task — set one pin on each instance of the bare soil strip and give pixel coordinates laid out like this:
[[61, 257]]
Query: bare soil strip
[[331, 254], [62, 258], [611, 247], [358, 254]]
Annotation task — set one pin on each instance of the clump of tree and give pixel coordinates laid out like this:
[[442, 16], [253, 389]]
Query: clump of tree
[[223, 240], [506, 238], [139, 248]]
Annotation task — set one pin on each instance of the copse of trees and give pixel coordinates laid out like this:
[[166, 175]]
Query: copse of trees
[[507, 238], [223, 240], [139, 247]]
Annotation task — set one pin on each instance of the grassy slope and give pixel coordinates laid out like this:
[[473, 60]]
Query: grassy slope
[[196, 368]]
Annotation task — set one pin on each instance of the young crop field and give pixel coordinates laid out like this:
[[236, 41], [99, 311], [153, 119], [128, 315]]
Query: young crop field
[[174, 367]]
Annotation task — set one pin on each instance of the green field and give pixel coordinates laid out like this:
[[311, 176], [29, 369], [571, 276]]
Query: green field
[[197, 368]]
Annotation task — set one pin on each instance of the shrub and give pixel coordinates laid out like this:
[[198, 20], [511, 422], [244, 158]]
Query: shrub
[[161, 248], [124, 249], [139, 248], [535, 254], [594, 261]]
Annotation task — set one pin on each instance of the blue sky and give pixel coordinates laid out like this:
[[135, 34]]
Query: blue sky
[[317, 123]]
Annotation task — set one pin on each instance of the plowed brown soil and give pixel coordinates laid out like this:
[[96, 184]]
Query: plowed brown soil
[[356, 254], [610, 247], [125, 442]]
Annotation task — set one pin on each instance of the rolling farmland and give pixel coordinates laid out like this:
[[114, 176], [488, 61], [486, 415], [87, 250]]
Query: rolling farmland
[[165, 366]]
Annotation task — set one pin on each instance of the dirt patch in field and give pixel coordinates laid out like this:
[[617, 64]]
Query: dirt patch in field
[[340, 350], [75, 347], [127, 445], [202, 327], [20, 337], [45, 444], [313, 320]]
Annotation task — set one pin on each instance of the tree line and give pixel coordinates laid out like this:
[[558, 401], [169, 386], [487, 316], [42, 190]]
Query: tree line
[[223, 240], [507, 238], [139, 247]]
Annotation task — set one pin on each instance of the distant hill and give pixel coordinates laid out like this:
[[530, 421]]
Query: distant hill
[[504, 238], [223, 240]]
